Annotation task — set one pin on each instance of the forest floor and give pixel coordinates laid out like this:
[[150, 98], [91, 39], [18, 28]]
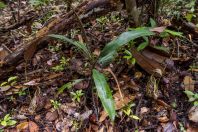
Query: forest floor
[[54, 90]]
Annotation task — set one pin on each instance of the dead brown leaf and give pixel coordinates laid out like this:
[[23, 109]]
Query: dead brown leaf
[[189, 83], [149, 62], [51, 116], [33, 127], [158, 29]]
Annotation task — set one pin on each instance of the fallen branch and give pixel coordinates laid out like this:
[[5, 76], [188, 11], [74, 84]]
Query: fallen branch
[[86, 11]]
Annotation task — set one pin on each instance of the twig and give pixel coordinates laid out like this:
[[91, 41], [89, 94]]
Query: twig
[[81, 26], [115, 78]]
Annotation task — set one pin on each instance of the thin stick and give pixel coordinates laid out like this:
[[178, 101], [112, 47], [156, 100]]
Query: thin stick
[[81, 26], [115, 78]]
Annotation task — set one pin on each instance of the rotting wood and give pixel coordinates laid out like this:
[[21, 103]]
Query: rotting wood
[[86, 11]]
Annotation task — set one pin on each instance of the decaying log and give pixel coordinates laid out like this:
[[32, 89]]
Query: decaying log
[[86, 11]]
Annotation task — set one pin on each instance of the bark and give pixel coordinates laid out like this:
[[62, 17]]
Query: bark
[[132, 10]]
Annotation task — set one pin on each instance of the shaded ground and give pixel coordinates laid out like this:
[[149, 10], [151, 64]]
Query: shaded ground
[[35, 103]]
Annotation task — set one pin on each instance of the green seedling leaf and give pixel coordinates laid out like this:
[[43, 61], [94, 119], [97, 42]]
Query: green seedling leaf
[[104, 93], [68, 85], [7, 121], [2, 5], [3, 84], [153, 23], [11, 122], [3, 123], [10, 79], [178, 34], [81, 47], [7, 117], [135, 117], [142, 46], [110, 50], [165, 49]]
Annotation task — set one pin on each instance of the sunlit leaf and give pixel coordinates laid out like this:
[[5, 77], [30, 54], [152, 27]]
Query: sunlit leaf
[[10, 79], [110, 50], [104, 93], [135, 117]]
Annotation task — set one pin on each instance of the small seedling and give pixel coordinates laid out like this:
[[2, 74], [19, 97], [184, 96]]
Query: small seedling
[[192, 97], [129, 57], [22, 92], [7, 121], [54, 48], [68, 85], [128, 111], [2, 5], [55, 104], [63, 62], [77, 95], [10, 82]]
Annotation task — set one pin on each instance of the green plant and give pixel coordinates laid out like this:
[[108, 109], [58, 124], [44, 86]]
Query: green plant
[[77, 95], [37, 3], [107, 55], [7, 121], [55, 48], [68, 85], [81, 47], [181, 127], [128, 55], [110, 50], [10, 82], [22, 92], [192, 97], [55, 104], [2, 5], [63, 62], [104, 93], [128, 111]]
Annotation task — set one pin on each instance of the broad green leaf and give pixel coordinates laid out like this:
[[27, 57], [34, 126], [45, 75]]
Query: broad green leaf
[[104, 93], [81, 47], [2, 5], [110, 50], [152, 22], [178, 34]]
